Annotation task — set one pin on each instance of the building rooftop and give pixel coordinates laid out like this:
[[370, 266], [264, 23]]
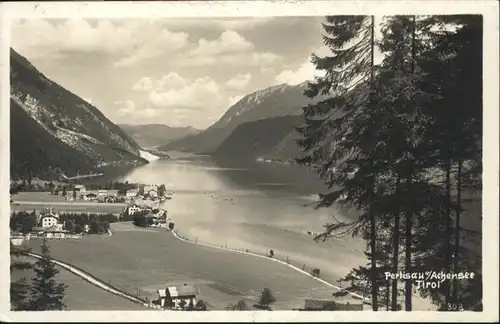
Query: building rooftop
[[49, 215], [183, 291], [55, 229]]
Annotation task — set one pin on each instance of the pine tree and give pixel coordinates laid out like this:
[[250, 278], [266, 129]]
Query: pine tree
[[456, 64], [19, 289], [385, 136], [336, 137], [45, 292], [266, 298]]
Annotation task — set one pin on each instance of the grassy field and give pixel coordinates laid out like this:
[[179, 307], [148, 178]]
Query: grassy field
[[42, 196], [29, 201], [71, 208], [81, 295], [140, 261]]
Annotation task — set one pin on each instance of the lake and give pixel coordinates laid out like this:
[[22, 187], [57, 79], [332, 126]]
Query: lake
[[250, 205]]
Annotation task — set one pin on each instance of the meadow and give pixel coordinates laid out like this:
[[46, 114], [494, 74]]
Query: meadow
[[140, 261]]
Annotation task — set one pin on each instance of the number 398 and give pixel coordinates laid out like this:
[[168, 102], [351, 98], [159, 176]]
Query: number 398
[[455, 307]]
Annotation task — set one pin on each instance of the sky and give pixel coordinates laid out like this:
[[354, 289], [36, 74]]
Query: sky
[[173, 71]]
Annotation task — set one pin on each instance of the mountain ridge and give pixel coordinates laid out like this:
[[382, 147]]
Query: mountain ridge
[[86, 138], [269, 138], [152, 135], [275, 101]]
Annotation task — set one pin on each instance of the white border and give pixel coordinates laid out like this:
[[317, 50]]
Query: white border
[[489, 10]]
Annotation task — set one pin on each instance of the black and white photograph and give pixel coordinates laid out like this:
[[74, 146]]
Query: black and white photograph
[[327, 157]]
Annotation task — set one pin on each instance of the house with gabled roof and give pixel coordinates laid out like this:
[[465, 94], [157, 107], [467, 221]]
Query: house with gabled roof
[[173, 296], [48, 219]]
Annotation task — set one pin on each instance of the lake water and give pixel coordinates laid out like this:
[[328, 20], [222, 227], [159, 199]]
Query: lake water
[[251, 206]]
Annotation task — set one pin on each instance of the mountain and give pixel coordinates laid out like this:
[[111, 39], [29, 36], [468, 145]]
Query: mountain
[[277, 101], [53, 130], [153, 135], [272, 138]]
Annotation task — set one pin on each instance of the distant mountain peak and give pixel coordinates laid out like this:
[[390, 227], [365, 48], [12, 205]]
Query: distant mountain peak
[[275, 101]]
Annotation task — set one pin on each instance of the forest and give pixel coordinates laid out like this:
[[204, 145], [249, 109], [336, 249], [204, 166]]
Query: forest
[[400, 141]]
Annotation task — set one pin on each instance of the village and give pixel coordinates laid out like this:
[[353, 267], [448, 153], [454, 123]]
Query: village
[[140, 205]]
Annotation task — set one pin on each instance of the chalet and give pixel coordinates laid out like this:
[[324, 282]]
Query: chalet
[[48, 220], [132, 193], [133, 209], [172, 296]]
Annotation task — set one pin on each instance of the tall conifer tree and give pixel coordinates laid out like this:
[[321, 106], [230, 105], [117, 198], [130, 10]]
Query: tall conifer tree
[[341, 120]]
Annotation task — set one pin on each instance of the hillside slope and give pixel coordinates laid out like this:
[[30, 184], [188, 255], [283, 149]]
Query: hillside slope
[[152, 135], [53, 130], [276, 101], [272, 138]]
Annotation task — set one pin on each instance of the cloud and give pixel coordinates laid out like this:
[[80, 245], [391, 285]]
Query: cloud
[[228, 42], [41, 37], [194, 95], [144, 84], [126, 108], [305, 72], [177, 99], [238, 82], [230, 48], [219, 23], [170, 80], [126, 44], [154, 42]]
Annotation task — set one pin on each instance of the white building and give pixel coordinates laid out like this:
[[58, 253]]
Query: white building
[[172, 296], [132, 193], [49, 220], [80, 189], [102, 193], [134, 209]]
